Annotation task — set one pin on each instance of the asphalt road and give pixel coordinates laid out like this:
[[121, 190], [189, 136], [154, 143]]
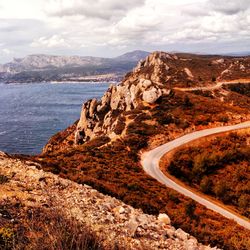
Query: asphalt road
[[216, 86], [150, 162]]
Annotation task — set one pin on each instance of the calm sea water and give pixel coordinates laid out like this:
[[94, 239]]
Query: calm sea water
[[31, 113]]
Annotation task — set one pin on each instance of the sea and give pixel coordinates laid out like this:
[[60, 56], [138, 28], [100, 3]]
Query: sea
[[31, 113]]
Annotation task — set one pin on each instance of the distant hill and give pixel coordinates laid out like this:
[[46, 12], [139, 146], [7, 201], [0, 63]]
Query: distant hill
[[39, 68], [243, 53], [136, 55]]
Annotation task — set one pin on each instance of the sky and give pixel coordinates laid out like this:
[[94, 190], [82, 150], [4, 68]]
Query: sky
[[108, 28]]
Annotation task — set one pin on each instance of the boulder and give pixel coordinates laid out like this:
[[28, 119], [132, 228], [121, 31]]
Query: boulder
[[144, 84], [152, 95], [164, 219], [92, 107], [192, 244], [105, 101], [179, 233], [115, 99], [132, 226]]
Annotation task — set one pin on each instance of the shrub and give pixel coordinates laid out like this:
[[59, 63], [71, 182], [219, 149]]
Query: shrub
[[244, 201], [187, 103], [3, 179], [206, 185], [223, 118], [6, 238], [190, 208], [220, 189]]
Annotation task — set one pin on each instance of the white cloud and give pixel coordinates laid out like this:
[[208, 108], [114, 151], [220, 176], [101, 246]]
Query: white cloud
[[230, 7], [21, 9], [103, 9], [6, 51], [111, 27], [50, 42]]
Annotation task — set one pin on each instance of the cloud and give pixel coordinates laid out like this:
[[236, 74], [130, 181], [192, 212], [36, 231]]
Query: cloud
[[50, 42], [111, 27], [230, 7], [6, 51], [103, 9]]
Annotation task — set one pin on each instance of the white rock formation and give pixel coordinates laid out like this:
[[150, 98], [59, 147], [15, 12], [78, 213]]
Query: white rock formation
[[151, 95], [100, 117]]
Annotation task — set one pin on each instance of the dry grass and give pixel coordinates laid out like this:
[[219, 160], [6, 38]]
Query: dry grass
[[42, 228], [219, 167]]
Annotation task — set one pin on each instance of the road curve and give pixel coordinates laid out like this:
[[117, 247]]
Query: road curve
[[150, 162], [213, 87]]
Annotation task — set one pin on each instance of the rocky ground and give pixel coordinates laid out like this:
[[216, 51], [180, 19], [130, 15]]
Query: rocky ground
[[116, 223]]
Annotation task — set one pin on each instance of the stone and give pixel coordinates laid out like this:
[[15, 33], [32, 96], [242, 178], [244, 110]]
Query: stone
[[220, 60], [132, 226], [189, 73], [92, 107], [152, 95], [107, 119], [180, 234], [105, 100], [121, 210], [142, 219], [170, 233], [144, 84], [164, 219], [192, 244], [108, 217], [115, 99], [242, 67]]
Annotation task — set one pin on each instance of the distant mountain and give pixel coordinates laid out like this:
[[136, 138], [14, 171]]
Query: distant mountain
[[136, 55], [243, 53], [39, 68]]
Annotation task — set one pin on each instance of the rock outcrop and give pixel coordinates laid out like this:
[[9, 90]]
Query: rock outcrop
[[138, 88], [150, 81], [112, 220]]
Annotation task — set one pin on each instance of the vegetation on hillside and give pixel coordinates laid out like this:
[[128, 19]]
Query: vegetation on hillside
[[115, 169], [42, 228], [240, 88], [220, 168]]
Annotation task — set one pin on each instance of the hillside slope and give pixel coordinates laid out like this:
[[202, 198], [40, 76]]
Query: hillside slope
[[218, 166], [110, 223], [146, 110]]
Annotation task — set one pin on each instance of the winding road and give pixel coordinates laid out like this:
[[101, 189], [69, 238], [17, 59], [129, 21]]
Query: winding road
[[216, 86], [150, 162]]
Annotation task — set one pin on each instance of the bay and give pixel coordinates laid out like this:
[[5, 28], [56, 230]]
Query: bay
[[31, 113]]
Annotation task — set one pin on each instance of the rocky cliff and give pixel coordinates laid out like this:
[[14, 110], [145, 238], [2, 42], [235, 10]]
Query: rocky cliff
[[119, 226], [151, 79]]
